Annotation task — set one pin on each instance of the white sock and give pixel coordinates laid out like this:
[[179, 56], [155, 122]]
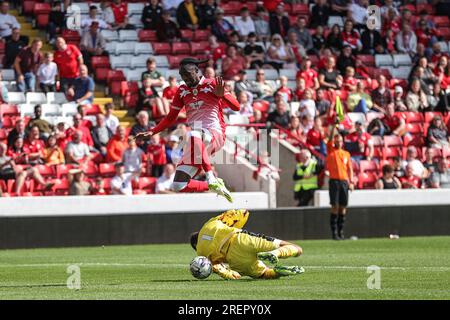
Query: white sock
[[210, 177]]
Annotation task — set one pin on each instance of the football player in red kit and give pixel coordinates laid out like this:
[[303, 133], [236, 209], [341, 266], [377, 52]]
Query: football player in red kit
[[204, 101]]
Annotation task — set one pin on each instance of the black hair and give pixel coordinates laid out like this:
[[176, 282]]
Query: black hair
[[194, 239]]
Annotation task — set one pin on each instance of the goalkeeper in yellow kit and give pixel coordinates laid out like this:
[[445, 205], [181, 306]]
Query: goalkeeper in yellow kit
[[235, 252]]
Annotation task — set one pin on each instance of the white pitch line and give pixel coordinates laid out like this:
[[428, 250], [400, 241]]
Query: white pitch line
[[177, 265]]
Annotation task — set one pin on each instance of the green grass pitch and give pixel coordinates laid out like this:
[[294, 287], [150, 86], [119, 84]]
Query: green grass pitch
[[411, 268]]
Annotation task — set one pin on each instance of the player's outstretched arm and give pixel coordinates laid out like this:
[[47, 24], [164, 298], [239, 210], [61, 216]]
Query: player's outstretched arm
[[225, 272], [219, 91], [165, 123]]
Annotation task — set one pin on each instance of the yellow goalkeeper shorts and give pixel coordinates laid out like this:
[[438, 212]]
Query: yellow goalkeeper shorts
[[241, 255]]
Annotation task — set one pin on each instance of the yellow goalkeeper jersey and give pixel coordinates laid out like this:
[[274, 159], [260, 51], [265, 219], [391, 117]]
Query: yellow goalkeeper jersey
[[216, 233]]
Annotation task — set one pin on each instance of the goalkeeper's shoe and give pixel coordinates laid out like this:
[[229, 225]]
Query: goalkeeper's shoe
[[219, 187], [268, 256], [288, 270]]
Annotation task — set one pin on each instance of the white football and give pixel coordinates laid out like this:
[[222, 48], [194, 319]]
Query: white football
[[200, 267]]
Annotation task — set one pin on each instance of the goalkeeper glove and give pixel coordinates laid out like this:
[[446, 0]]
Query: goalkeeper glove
[[226, 273]]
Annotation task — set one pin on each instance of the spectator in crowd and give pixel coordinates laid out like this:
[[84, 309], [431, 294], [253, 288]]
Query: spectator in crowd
[[279, 21], [262, 28], [409, 180], [10, 171], [437, 135], [78, 125], [101, 134], [18, 152], [328, 76], [295, 48], [338, 164], [62, 138], [320, 14], [278, 54], [322, 103], [303, 34], [166, 29], [319, 41], [295, 130], [156, 77], [257, 117], [148, 97], [47, 73], [389, 42], [143, 125], [215, 50], [359, 100], [419, 73], [399, 171], [390, 124], [416, 165], [82, 89], [78, 185], [263, 88], [121, 184], [388, 181], [246, 105], [119, 20], [346, 59], [26, 65], [398, 101], [164, 182], [334, 39], [253, 52], [7, 22], [406, 40], [77, 152], [430, 163], [207, 10], [82, 109], [242, 84], [416, 99], [244, 24], [132, 157], [99, 187], [316, 135], [381, 96], [350, 36], [388, 5], [300, 88], [280, 116], [53, 154], [305, 178], [56, 21], [93, 44], [13, 45], [308, 74], [111, 121], [34, 146], [283, 89], [116, 146], [441, 177], [357, 11], [232, 63], [17, 132], [188, 15], [170, 91], [86, 23], [156, 156], [359, 143], [307, 105], [69, 59], [221, 28], [151, 14], [45, 128]]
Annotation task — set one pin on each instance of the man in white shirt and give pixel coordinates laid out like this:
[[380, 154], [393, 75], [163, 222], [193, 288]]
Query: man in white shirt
[[359, 11], [110, 119], [122, 182], [132, 156], [86, 22], [7, 21], [244, 24], [411, 160], [164, 183]]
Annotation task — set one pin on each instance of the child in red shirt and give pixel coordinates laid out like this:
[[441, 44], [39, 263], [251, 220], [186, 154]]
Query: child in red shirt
[[156, 159]]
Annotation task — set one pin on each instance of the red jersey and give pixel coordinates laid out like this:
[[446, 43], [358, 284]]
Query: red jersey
[[314, 137], [67, 61], [17, 156], [357, 138], [286, 91], [406, 181], [157, 153], [392, 122], [120, 12], [350, 38], [203, 107], [86, 135], [34, 147], [309, 76], [350, 82], [216, 53], [169, 93]]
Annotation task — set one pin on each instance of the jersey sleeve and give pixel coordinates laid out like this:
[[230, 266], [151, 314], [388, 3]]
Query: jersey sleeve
[[234, 218], [177, 102]]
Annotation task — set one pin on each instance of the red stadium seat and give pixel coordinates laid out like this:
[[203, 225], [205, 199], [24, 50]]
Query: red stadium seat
[[392, 141], [187, 34], [389, 153], [181, 48], [367, 180], [367, 59], [231, 8], [201, 35], [71, 36], [41, 8], [115, 76], [147, 36], [174, 61], [107, 185], [28, 7], [61, 187], [416, 141], [413, 117], [42, 21], [100, 62], [101, 74], [410, 7], [199, 47], [441, 21], [62, 170], [161, 48], [91, 170], [107, 169], [9, 110], [93, 110], [430, 115], [414, 128], [300, 9], [251, 6], [148, 184], [425, 6], [46, 171], [368, 166], [8, 122]]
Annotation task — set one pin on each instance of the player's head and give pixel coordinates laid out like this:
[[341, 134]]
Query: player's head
[[189, 71], [338, 141], [194, 240]]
